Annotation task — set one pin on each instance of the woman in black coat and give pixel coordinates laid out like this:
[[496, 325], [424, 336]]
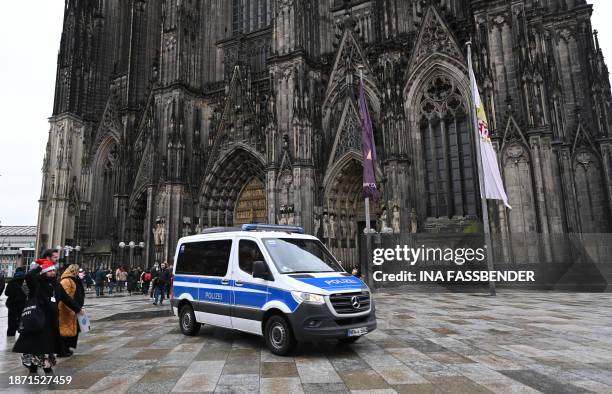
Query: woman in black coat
[[39, 347], [131, 281]]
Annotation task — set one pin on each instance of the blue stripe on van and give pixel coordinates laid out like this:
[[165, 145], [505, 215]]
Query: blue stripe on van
[[193, 291]]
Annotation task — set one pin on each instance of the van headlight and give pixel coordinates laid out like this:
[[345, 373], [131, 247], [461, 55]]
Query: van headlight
[[308, 298]]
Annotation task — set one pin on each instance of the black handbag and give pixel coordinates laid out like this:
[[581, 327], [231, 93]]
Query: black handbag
[[32, 318]]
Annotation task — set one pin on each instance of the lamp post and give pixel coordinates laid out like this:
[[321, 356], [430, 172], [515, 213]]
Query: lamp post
[[77, 249], [131, 245], [122, 246]]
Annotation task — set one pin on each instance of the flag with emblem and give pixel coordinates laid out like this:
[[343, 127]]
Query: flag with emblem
[[493, 186], [368, 148]]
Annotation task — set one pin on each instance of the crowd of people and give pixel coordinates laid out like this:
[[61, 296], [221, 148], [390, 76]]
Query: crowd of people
[[58, 295], [153, 281], [56, 304]]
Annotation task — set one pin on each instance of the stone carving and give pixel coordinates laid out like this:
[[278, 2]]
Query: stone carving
[[383, 220], [186, 226], [413, 221], [395, 220], [159, 231], [325, 225], [332, 226]]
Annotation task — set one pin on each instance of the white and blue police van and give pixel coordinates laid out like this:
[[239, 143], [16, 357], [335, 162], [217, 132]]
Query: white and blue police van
[[269, 280]]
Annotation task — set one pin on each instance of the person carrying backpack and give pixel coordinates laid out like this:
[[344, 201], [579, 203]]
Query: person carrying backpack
[[146, 279]]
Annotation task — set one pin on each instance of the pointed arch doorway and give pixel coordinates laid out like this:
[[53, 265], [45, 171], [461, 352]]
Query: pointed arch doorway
[[343, 216], [251, 204]]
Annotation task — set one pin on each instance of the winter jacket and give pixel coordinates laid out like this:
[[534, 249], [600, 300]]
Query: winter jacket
[[15, 296], [100, 277], [67, 317], [48, 293], [164, 277]]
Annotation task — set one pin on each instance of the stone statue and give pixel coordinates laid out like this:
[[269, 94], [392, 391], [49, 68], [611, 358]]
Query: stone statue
[[159, 232], [283, 218], [317, 225], [383, 219], [186, 226], [352, 228], [395, 220], [325, 226], [198, 228], [332, 226], [413, 221], [343, 227]]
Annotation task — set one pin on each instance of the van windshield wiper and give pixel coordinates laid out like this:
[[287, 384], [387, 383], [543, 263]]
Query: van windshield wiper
[[306, 272]]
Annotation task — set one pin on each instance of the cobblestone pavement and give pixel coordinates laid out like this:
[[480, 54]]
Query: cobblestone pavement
[[518, 342]]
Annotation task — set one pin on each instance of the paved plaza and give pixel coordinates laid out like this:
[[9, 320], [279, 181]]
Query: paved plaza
[[518, 342]]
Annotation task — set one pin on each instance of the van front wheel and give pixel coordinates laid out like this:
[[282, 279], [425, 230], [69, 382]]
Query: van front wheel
[[278, 335], [187, 321]]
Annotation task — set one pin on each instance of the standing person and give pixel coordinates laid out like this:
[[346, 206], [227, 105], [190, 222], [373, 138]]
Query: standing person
[[146, 278], [111, 280], [2, 282], [68, 327], [169, 281], [131, 281], [88, 280], [38, 348], [162, 281], [100, 277], [15, 300], [121, 277]]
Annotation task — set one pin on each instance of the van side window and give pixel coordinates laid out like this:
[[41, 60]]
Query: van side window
[[248, 252], [210, 258]]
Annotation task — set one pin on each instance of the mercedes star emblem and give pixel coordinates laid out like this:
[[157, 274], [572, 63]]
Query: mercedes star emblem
[[355, 302]]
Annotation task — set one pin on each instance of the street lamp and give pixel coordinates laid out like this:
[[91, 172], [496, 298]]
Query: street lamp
[[77, 249], [131, 245]]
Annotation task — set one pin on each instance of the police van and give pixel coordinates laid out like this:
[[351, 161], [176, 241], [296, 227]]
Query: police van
[[269, 280]]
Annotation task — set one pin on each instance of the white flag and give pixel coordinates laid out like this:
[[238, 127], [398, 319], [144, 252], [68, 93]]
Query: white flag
[[493, 185]]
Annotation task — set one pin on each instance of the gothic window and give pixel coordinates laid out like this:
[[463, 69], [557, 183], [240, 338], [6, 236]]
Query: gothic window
[[249, 15], [518, 182], [450, 180], [237, 16], [590, 192]]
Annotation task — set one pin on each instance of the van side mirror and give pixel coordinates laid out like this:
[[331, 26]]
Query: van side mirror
[[260, 270]]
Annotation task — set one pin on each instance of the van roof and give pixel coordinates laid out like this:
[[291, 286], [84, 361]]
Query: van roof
[[255, 230]]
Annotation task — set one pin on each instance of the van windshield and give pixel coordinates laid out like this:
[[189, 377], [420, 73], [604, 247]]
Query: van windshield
[[292, 256]]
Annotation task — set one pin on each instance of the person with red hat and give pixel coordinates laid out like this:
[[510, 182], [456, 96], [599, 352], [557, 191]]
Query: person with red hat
[[39, 348]]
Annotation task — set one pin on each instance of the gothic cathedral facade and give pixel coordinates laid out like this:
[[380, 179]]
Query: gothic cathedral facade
[[171, 116]]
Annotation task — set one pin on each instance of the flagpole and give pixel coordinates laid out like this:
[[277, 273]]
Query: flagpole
[[483, 200], [367, 199]]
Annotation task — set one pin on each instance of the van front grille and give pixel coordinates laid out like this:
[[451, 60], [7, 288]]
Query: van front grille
[[345, 303]]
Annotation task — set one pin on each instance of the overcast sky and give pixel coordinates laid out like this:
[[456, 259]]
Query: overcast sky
[[30, 31]]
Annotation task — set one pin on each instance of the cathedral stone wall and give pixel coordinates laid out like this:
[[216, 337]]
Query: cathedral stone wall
[[171, 116]]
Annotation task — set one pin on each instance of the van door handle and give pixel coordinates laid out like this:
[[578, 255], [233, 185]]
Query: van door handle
[[239, 283], [225, 281]]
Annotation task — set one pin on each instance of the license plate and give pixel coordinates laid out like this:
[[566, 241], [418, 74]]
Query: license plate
[[355, 332]]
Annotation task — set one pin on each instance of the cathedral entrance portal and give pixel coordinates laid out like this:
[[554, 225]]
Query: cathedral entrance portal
[[343, 209], [251, 205]]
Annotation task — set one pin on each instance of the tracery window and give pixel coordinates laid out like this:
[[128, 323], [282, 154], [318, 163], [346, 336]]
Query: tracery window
[[449, 166]]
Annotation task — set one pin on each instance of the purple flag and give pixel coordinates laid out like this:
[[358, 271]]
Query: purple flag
[[368, 148]]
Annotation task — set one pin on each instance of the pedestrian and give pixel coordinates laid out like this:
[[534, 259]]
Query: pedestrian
[[15, 300], [121, 277], [38, 348], [169, 282], [88, 280], [100, 278], [131, 281], [146, 278], [111, 280], [162, 281], [68, 326], [2, 282]]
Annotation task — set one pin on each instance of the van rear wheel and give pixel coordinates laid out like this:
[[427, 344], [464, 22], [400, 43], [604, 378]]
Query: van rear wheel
[[278, 335], [187, 321]]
